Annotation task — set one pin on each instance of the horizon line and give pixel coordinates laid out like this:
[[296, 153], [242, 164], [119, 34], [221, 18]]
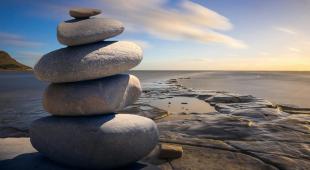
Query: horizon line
[[224, 70]]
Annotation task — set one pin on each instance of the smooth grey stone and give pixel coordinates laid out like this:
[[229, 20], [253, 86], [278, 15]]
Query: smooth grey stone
[[84, 12], [93, 97], [88, 62], [85, 31], [94, 142]]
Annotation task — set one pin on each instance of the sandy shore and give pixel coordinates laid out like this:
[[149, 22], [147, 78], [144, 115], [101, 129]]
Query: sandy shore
[[218, 130]]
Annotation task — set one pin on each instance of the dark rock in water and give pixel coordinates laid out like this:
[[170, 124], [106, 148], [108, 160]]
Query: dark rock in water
[[292, 109], [172, 81], [92, 97], [98, 142], [79, 32], [84, 12], [230, 98], [145, 111], [6, 132], [235, 106], [259, 114], [246, 133]]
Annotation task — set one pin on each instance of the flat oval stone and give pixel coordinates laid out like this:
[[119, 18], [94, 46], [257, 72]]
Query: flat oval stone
[[84, 12], [88, 62], [78, 32], [94, 142], [92, 97]]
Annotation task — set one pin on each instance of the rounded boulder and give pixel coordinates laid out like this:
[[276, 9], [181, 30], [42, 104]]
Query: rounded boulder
[[84, 12], [88, 62], [84, 31], [92, 97], [97, 142]]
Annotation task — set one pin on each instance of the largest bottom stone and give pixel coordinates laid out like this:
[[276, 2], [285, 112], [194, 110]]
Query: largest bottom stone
[[96, 142]]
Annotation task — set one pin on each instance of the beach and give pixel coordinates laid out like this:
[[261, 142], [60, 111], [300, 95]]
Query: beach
[[239, 120], [155, 85]]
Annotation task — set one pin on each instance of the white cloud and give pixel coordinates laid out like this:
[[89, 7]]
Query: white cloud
[[17, 40], [186, 21], [296, 50], [285, 30]]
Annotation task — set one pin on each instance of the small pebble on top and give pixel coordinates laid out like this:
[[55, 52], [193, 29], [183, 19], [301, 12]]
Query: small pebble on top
[[81, 13]]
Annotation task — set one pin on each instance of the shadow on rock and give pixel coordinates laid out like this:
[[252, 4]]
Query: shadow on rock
[[36, 161]]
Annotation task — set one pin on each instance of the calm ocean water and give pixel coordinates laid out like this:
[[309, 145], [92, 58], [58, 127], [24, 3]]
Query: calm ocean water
[[21, 93], [277, 87]]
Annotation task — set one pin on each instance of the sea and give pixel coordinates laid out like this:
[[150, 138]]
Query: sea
[[21, 93]]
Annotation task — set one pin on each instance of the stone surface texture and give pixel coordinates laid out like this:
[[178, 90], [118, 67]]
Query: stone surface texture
[[99, 142], [170, 151], [88, 62], [84, 31], [243, 132], [83, 12], [92, 97], [18, 154], [245, 135]]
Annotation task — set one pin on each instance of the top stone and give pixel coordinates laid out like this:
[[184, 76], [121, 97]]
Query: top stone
[[81, 13]]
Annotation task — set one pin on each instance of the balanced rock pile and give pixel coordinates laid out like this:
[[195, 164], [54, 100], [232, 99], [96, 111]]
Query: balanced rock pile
[[85, 92]]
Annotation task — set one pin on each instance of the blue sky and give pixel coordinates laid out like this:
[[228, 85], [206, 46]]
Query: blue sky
[[176, 35]]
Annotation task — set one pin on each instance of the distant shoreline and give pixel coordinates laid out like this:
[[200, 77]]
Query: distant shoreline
[[16, 71], [229, 70], [283, 71]]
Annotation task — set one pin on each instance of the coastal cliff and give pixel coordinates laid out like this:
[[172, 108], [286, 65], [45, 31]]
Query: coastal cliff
[[7, 63]]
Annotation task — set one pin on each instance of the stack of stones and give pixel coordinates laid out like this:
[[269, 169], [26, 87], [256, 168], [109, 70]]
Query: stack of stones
[[86, 91]]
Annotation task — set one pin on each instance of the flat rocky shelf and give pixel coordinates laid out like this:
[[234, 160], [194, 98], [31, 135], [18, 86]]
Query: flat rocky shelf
[[232, 131]]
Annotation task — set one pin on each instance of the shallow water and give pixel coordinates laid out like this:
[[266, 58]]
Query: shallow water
[[184, 105], [277, 87], [21, 93]]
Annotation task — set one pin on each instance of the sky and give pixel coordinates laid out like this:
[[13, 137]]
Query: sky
[[175, 34]]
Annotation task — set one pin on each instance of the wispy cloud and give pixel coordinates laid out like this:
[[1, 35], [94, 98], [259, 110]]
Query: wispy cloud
[[186, 21], [285, 30], [17, 40], [296, 50]]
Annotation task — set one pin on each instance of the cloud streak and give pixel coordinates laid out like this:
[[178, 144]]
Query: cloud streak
[[17, 40], [186, 21], [285, 30], [295, 50]]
